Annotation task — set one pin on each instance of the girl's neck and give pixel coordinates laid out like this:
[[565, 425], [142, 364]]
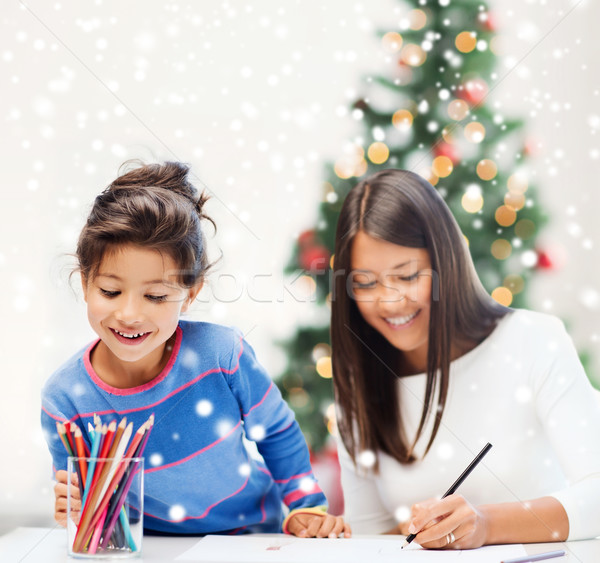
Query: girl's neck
[[126, 375]]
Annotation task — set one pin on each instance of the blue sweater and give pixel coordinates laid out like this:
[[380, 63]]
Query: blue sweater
[[209, 400]]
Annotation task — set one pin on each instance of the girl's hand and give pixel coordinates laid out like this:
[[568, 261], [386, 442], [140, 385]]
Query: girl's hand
[[449, 523], [60, 493], [324, 525]]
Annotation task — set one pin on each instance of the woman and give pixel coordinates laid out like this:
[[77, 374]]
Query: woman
[[427, 368]]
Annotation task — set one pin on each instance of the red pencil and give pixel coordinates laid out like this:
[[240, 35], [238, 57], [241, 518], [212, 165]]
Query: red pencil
[[69, 436]]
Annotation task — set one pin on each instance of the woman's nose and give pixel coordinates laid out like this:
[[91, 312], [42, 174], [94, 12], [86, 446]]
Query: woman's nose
[[389, 297]]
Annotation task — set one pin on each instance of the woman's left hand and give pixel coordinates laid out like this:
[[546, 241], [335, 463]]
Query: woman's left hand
[[449, 523]]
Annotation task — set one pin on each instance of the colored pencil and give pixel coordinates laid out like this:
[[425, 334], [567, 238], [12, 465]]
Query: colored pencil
[[98, 435], [81, 455]]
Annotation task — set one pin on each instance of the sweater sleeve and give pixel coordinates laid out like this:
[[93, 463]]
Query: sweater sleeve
[[270, 423], [569, 409], [363, 508], [51, 414]]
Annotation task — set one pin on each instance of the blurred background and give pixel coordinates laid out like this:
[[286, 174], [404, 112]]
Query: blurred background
[[271, 105]]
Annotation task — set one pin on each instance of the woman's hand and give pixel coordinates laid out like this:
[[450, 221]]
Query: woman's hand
[[60, 493], [449, 523], [305, 525]]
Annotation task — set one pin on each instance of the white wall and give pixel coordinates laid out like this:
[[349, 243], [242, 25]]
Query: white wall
[[252, 95]]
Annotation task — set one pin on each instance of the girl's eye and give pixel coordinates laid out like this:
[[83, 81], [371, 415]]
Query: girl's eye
[[412, 277], [156, 298], [108, 293]]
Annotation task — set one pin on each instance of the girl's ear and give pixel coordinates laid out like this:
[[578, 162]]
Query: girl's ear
[[192, 293]]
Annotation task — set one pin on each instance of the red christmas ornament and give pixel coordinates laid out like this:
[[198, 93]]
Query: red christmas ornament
[[544, 261], [473, 91], [447, 149], [306, 239], [532, 147], [489, 22], [314, 259]]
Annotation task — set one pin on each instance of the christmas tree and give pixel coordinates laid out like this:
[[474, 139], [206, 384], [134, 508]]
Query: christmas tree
[[431, 114]]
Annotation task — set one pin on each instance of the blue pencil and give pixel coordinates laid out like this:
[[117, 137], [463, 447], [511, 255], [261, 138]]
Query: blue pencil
[[96, 439]]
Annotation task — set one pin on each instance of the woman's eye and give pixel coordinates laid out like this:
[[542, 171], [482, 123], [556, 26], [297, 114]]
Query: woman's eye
[[108, 293], [412, 277], [157, 298]]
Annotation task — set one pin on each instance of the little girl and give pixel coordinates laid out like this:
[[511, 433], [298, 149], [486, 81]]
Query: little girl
[[142, 260]]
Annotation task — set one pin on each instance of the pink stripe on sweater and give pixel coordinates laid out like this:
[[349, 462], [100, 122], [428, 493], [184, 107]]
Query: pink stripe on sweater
[[293, 477], [261, 401], [205, 513], [298, 494], [179, 462]]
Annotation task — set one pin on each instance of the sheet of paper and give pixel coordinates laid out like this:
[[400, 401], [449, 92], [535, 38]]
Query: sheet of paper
[[289, 549]]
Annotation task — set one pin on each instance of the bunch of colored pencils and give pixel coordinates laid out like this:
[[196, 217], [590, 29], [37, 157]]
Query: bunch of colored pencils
[[105, 474]]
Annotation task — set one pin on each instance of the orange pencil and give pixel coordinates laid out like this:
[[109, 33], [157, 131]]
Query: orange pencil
[[80, 449]]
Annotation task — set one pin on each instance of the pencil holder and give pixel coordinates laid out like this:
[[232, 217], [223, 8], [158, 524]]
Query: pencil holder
[[105, 511]]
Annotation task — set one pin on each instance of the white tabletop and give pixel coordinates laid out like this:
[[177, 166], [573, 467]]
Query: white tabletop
[[49, 545]]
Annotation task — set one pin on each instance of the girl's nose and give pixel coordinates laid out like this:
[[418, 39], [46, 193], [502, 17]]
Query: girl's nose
[[129, 311]]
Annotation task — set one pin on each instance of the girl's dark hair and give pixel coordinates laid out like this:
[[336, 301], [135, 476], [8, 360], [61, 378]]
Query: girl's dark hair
[[153, 206], [401, 207]]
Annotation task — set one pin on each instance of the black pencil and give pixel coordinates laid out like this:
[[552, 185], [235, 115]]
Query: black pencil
[[457, 483]]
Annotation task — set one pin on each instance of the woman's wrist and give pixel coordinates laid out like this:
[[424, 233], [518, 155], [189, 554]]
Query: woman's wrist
[[539, 520]]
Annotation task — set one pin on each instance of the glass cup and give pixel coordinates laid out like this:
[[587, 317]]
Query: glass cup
[[111, 521]]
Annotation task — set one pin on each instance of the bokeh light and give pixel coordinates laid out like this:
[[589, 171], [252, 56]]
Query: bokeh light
[[515, 283], [402, 120], [418, 19], [392, 42], [442, 166], [472, 200], [378, 152], [503, 296], [413, 55], [474, 132], [501, 249], [458, 109], [505, 216], [525, 229], [323, 367], [487, 169], [466, 41]]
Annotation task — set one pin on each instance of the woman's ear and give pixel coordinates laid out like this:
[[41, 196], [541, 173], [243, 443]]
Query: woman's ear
[[192, 293]]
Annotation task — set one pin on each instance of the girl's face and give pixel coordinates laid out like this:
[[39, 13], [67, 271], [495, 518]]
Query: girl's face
[[134, 304], [391, 285]]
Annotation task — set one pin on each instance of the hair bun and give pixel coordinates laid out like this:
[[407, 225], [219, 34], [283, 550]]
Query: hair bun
[[170, 175]]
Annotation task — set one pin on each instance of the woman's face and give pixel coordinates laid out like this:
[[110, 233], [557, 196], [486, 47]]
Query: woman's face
[[391, 285]]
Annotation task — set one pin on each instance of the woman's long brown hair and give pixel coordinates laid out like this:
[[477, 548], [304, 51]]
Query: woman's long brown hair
[[402, 208]]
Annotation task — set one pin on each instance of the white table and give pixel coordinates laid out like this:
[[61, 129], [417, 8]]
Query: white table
[[49, 545]]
